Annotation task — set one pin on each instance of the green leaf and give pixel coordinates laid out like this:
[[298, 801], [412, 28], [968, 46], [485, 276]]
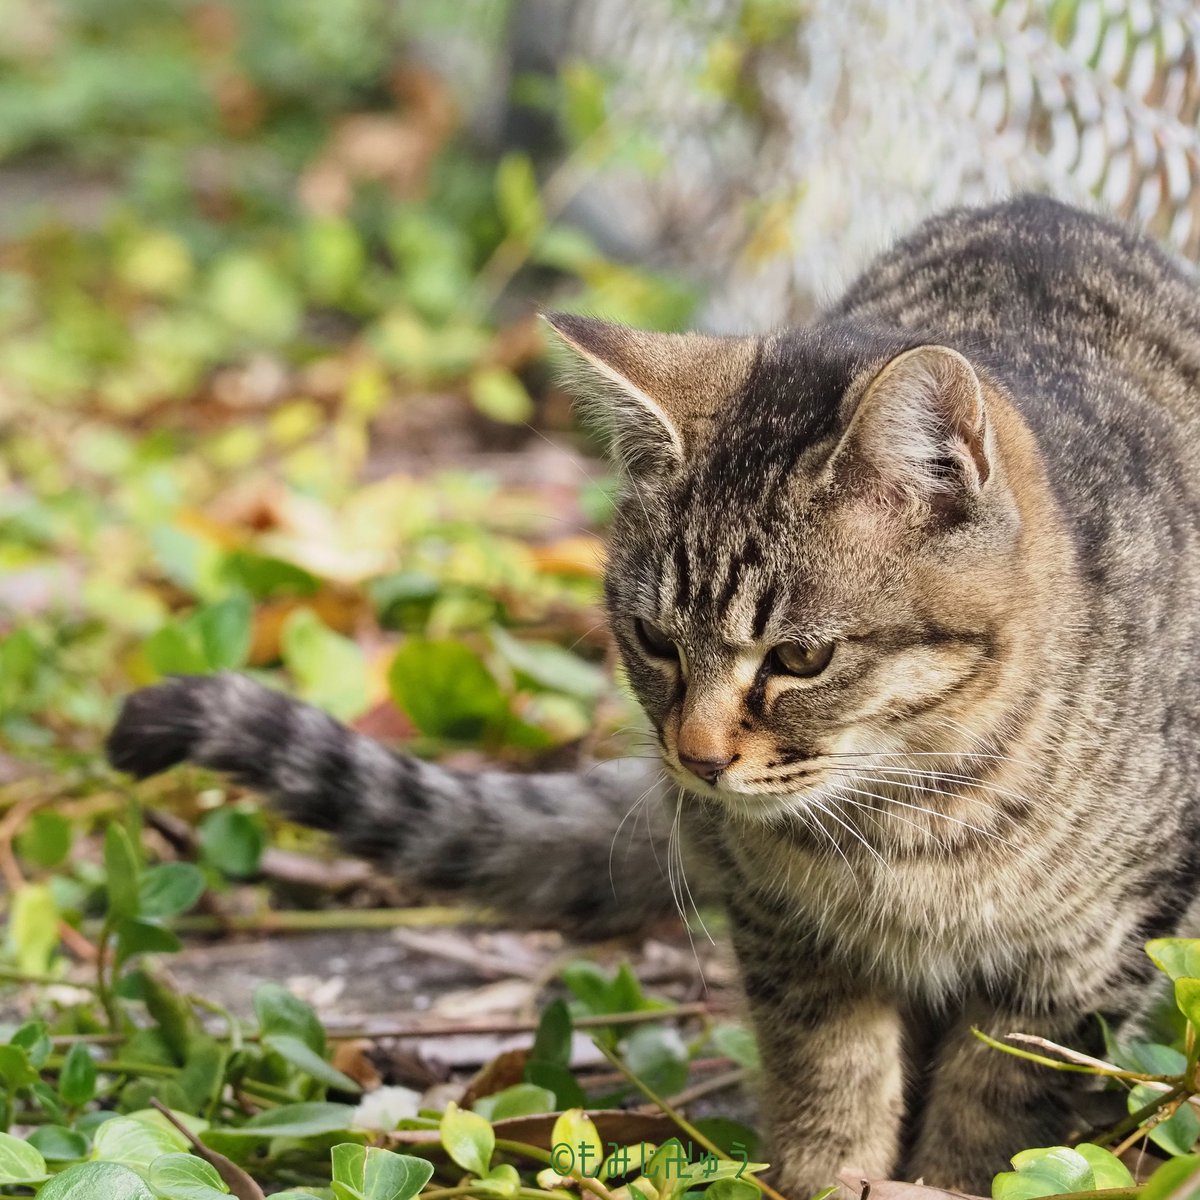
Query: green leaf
[[658, 1057], [253, 297], [1107, 1169], [176, 650], [77, 1079], [737, 1042], [552, 1042], [575, 1130], [90, 1181], [369, 1173], [1169, 1181], [169, 889], [224, 631], [1178, 957], [549, 665], [556, 1078], [34, 1038], [136, 1142], [732, 1189], [517, 197], [16, 1071], [293, 1121], [33, 927], [58, 1144], [46, 839], [520, 1100], [233, 841], [19, 1161], [279, 1012], [330, 670], [468, 1139], [500, 1181], [590, 985], [1047, 1171], [203, 1073], [1176, 1135], [122, 870], [294, 1051], [186, 1177], [499, 394], [1187, 998], [446, 690], [171, 1013], [143, 937]]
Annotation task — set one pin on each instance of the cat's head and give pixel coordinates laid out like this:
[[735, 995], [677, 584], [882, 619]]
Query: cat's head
[[820, 552]]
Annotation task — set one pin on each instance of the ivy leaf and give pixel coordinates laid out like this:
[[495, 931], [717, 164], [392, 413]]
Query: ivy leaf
[[300, 1055], [33, 927], [1047, 1171], [122, 869], [1107, 1169], [19, 1161], [552, 1042], [169, 889], [34, 1038], [468, 1139], [1178, 957], [88, 1181], [135, 1142], [233, 841], [46, 840], [331, 670], [519, 1100], [143, 937], [281, 1013], [369, 1173], [77, 1079], [58, 1144], [737, 1042], [186, 1177], [16, 1071], [446, 690], [658, 1057], [292, 1121], [223, 631]]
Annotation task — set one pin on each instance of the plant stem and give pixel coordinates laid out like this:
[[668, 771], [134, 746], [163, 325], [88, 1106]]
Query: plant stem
[[300, 921], [1134, 1120], [678, 1117], [104, 988], [11, 975], [1080, 1068]]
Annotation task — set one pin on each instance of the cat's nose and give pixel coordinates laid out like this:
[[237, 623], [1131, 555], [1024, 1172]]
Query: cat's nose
[[705, 768]]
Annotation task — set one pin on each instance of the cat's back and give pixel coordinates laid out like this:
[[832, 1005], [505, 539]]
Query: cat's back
[[1093, 328]]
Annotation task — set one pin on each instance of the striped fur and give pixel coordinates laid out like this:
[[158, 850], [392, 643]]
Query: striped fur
[[975, 479]]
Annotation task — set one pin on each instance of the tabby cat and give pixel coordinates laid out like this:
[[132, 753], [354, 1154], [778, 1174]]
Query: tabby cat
[[912, 599]]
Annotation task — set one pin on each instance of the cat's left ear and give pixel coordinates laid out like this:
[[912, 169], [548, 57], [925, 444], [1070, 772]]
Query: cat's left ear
[[920, 435], [652, 395]]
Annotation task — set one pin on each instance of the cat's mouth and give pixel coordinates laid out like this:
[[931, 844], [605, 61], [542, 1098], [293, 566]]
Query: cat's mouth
[[755, 791]]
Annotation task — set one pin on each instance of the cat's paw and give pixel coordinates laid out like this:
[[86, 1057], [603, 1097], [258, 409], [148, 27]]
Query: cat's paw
[[157, 726]]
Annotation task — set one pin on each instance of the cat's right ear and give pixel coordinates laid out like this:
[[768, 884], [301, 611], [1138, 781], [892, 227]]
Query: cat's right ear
[[651, 395]]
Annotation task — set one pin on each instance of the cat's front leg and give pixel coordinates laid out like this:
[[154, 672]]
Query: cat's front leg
[[832, 1075], [982, 1106], [833, 1087]]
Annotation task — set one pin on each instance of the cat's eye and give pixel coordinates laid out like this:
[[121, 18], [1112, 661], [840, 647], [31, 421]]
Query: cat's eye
[[654, 640], [801, 658]]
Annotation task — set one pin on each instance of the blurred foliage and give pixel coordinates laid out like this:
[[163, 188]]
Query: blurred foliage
[[293, 258]]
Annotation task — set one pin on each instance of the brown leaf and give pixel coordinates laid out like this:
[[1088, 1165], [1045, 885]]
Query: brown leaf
[[505, 1070], [891, 1189], [351, 1059], [239, 1183]]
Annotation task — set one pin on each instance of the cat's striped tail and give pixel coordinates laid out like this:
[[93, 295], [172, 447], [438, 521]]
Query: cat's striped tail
[[535, 847]]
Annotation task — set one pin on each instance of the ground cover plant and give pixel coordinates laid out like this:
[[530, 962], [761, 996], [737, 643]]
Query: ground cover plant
[[273, 398]]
